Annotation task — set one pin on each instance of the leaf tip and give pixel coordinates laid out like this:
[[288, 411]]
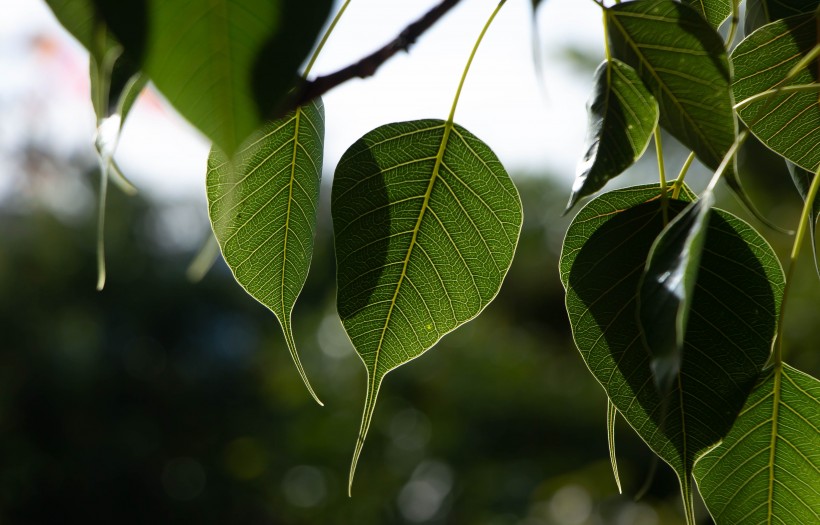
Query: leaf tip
[[291, 344]]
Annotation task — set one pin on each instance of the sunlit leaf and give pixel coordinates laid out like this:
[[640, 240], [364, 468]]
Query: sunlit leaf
[[682, 60], [426, 222], [767, 469], [714, 11], [622, 116], [262, 205], [802, 180], [788, 123], [729, 334], [224, 65], [667, 288], [761, 12]]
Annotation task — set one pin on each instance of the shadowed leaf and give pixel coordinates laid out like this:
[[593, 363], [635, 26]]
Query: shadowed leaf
[[714, 11]]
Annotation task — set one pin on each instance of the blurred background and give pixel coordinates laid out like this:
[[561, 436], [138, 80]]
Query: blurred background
[[161, 400]]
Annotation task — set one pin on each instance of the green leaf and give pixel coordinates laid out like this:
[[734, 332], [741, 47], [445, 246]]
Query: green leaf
[[225, 65], [622, 116], [667, 287], [767, 469], [262, 205], [426, 222], [714, 11], [729, 334], [787, 123], [761, 12], [802, 180], [682, 60]]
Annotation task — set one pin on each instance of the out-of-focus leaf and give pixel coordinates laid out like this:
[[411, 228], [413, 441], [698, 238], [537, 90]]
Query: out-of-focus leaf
[[224, 65], [761, 12], [667, 287], [714, 11], [787, 123], [802, 180], [682, 60], [767, 469], [262, 205], [622, 116], [728, 338], [426, 222]]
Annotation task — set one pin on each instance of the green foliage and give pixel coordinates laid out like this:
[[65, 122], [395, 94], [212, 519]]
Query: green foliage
[[426, 221], [262, 204], [767, 469], [673, 304]]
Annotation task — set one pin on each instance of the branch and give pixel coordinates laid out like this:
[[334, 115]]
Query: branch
[[367, 66]]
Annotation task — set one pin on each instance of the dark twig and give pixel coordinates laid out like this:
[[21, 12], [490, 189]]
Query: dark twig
[[367, 66]]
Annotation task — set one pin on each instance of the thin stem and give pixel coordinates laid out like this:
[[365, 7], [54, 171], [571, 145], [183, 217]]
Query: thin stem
[[805, 217], [470, 60], [678, 185], [606, 35], [104, 165], [662, 175], [734, 23], [322, 42], [771, 92], [741, 138]]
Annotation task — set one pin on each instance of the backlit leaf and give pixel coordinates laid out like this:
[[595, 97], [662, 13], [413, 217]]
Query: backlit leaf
[[714, 11], [767, 469], [622, 116], [262, 205], [728, 337], [682, 60], [224, 65], [787, 123], [426, 222]]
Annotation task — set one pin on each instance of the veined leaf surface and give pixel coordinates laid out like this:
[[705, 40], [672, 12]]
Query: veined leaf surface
[[262, 205], [622, 116], [225, 65], [714, 11], [728, 338], [426, 222], [788, 123], [767, 469], [682, 60]]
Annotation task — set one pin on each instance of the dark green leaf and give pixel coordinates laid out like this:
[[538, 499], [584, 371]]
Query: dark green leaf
[[761, 12], [728, 338], [788, 123], [426, 222], [714, 11], [802, 180], [224, 65], [262, 205], [682, 60], [767, 469], [622, 116], [667, 287]]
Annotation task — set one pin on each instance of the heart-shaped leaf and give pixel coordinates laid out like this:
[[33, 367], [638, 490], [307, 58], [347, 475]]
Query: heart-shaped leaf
[[787, 123], [622, 116], [767, 469], [714, 11], [682, 61], [225, 65], [426, 222], [761, 12], [728, 338], [262, 205]]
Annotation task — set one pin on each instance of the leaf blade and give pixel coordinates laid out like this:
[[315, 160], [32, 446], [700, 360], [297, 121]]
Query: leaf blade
[[714, 11], [262, 205]]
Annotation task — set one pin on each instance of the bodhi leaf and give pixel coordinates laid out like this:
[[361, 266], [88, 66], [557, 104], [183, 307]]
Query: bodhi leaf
[[667, 287], [225, 65], [714, 11], [728, 338], [262, 205], [761, 12], [426, 221], [682, 61], [767, 469], [789, 122], [622, 116]]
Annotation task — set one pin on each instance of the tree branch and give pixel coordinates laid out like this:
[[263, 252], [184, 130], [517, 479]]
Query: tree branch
[[367, 66]]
